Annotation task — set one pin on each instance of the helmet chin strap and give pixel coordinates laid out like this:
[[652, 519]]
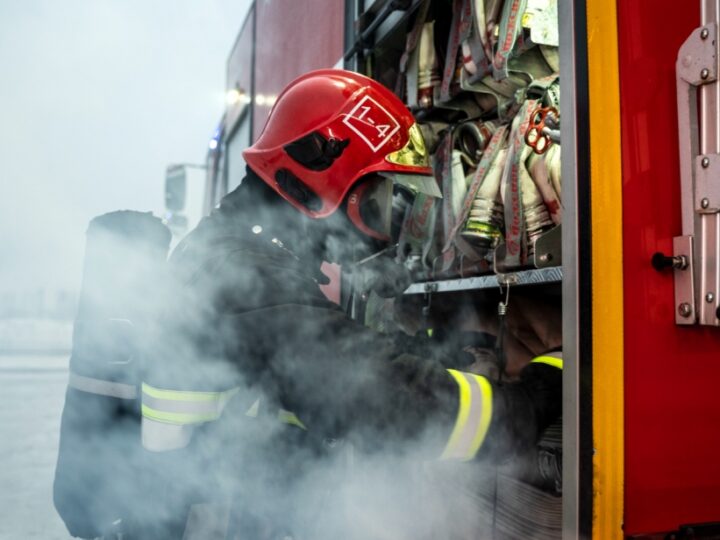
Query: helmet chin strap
[[381, 274], [375, 255]]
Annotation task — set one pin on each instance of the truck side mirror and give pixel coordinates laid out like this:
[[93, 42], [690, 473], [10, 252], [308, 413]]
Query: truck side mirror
[[175, 188]]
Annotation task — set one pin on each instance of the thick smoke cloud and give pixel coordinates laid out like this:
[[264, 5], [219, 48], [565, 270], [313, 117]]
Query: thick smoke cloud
[[101, 97], [97, 99], [225, 318]]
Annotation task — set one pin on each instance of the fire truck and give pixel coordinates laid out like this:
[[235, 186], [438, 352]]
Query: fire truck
[[633, 258]]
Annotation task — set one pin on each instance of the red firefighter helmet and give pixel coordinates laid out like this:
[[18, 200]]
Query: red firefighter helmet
[[328, 129]]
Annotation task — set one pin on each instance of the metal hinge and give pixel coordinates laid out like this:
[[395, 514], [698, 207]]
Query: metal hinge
[[697, 280]]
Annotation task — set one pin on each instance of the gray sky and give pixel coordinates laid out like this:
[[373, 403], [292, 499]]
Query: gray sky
[[96, 98]]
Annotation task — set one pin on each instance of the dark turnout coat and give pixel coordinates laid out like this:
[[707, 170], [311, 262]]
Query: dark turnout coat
[[246, 325]]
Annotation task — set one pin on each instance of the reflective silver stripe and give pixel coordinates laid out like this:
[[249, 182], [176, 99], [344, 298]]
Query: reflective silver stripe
[[161, 437], [200, 408], [473, 417], [102, 387], [182, 406]]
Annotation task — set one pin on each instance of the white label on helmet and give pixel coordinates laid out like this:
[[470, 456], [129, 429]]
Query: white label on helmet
[[371, 122]]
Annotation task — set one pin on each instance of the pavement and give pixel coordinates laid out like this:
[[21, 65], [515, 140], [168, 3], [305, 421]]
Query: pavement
[[32, 387]]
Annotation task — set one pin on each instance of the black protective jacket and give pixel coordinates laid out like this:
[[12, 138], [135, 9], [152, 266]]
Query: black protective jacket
[[245, 312]]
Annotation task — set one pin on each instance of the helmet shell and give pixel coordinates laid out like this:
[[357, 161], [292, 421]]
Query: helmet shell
[[369, 120]]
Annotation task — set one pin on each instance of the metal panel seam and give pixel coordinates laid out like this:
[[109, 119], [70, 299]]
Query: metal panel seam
[[577, 316], [607, 269]]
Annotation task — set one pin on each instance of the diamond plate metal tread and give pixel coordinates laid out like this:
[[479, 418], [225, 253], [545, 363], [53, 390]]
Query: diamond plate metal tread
[[522, 277]]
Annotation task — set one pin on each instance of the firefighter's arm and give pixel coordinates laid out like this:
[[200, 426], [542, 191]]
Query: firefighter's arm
[[524, 409], [479, 418], [345, 380]]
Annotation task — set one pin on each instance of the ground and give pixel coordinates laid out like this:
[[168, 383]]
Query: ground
[[33, 391]]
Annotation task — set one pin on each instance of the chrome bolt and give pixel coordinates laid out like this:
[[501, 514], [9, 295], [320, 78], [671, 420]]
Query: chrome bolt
[[705, 73], [709, 297], [705, 162], [704, 33], [705, 203], [685, 310]]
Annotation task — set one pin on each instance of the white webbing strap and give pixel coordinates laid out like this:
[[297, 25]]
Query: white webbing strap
[[473, 417], [459, 29], [510, 28], [515, 180], [102, 387]]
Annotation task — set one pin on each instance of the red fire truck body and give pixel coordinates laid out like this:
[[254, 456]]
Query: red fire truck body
[[671, 408]]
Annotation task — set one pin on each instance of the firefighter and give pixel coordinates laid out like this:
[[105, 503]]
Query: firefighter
[[247, 340]]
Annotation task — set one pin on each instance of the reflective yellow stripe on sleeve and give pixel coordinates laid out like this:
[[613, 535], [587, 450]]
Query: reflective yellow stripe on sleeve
[[183, 407], [473, 416], [288, 417], [551, 359], [182, 395], [178, 418], [168, 416]]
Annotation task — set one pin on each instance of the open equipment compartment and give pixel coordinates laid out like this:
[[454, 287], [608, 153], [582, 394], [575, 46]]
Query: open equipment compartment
[[496, 93]]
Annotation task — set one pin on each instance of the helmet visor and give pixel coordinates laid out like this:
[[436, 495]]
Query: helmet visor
[[414, 153], [416, 183], [377, 207]]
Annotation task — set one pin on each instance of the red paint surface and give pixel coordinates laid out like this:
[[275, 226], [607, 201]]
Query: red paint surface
[[672, 374], [239, 67], [293, 38]]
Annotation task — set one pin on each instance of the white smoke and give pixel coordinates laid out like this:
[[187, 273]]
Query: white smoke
[[75, 142], [347, 476], [96, 99]]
